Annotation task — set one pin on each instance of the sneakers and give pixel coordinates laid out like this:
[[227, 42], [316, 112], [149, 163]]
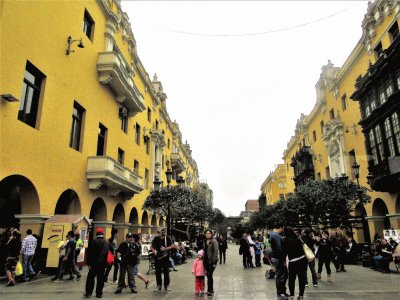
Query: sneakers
[[167, 289], [87, 295], [158, 289], [283, 296], [133, 291], [306, 285], [58, 280], [118, 292], [175, 270], [343, 270], [319, 275], [315, 284], [210, 293], [78, 277]]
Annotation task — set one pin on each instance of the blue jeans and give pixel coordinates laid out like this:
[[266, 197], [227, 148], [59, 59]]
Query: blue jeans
[[27, 265], [281, 275]]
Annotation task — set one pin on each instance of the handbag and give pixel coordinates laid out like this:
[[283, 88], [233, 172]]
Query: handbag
[[18, 269], [110, 256], [308, 252]]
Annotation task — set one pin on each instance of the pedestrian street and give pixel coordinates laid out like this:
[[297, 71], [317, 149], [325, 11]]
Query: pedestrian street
[[231, 281]]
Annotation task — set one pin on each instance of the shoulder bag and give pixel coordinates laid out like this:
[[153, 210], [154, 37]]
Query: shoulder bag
[[308, 252]]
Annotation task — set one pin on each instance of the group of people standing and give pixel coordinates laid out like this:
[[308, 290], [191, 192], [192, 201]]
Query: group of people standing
[[249, 249], [290, 261]]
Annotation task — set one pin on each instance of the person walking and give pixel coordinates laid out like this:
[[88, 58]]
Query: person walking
[[61, 263], [113, 245], [308, 239], [128, 252], [210, 259], [13, 248], [136, 239], [97, 262], [78, 248], [324, 254], [28, 248], [244, 250], [69, 258], [278, 261], [222, 246], [160, 246], [199, 272], [293, 248]]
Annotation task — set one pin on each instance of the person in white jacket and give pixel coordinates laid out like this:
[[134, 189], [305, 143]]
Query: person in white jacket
[[252, 251]]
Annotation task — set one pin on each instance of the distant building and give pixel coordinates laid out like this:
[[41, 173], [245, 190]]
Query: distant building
[[251, 205]]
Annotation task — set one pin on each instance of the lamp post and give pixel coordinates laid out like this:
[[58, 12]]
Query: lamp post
[[356, 171], [157, 187]]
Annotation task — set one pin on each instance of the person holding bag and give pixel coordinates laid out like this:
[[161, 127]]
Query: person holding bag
[[293, 248], [13, 248]]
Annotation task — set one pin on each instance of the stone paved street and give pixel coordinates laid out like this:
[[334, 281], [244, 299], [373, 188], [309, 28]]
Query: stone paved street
[[231, 281]]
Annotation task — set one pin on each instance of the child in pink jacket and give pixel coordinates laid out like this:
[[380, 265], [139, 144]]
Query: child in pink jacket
[[199, 272]]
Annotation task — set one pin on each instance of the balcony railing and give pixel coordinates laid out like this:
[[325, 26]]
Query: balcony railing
[[115, 72], [105, 171], [177, 163]]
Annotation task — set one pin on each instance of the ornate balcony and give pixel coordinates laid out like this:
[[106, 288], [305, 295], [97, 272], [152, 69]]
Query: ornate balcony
[[177, 163], [385, 175], [114, 71], [105, 171]]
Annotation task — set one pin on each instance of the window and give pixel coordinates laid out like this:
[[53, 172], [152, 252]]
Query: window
[[389, 90], [156, 124], [121, 156], [149, 114], [101, 140], [30, 96], [382, 97], [398, 82], [378, 50], [322, 127], [147, 144], [389, 137], [332, 114], [327, 172], [146, 178], [136, 167], [88, 25], [367, 111], [379, 142], [373, 105], [314, 135], [394, 31], [344, 102], [137, 134], [76, 128], [352, 160], [123, 115], [169, 144], [396, 130], [162, 162], [372, 144]]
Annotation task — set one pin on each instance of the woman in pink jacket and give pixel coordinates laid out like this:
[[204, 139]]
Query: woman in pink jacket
[[199, 273]]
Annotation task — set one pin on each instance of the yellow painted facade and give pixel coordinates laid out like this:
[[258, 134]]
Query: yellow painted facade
[[107, 82], [331, 129], [275, 185]]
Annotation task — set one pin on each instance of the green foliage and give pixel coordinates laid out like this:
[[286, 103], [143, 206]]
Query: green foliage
[[326, 202]]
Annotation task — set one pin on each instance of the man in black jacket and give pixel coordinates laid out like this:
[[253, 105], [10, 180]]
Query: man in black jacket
[[128, 252], [245, 251], [97, 263]]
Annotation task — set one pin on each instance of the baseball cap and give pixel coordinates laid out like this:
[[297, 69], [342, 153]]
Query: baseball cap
[[99, 231]]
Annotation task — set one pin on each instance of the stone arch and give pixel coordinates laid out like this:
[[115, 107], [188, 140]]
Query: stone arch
[[379, 212], [145, 218], [68, 204], [18, 195], [153, 223], [98, 211], [359, 226], [134, 217], [119, 214]]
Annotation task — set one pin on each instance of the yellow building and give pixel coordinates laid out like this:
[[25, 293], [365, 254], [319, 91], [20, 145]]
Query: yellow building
[[329, 140], [84, 130], [274, 186]]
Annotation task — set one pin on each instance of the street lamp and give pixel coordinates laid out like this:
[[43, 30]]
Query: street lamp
[[157, 187], [356, 171]]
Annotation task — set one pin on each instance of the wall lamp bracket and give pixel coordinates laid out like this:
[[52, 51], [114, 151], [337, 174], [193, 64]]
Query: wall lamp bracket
[[8, 98], [70, 41]]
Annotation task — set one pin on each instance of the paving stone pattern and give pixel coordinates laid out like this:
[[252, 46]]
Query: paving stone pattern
[[231, 281]]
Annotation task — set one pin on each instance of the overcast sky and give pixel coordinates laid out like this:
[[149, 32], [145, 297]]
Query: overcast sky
[[238, 75]]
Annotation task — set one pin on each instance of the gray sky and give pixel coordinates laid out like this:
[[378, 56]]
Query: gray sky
[[238, 75]]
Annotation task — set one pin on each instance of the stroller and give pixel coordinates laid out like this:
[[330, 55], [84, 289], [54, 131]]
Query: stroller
[[270, 271]]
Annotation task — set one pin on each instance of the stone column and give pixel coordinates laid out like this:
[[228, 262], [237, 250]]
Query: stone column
[[123, 229], [394, 220], [376, 225], [32, 221], [106, 225]]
